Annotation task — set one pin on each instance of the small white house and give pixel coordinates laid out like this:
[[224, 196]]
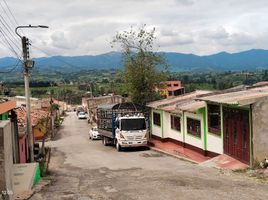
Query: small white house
[[232, 122], [180, 120]]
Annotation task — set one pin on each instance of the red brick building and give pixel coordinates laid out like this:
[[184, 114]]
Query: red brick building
[[171, 88]]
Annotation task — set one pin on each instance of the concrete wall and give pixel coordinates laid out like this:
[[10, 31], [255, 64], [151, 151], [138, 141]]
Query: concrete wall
[[260, 130], [190, 139], [6, 158], [215, 142], [171, 133]]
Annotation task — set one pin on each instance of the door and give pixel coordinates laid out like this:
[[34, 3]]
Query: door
[[236, 133]]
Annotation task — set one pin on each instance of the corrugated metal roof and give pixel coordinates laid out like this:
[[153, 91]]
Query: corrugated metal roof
[[182, 103], [189, 106], [241, 98], [177, 99], [192, 106]]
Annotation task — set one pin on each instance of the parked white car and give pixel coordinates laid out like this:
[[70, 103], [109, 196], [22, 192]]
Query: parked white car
[[94, 134], [82, 115]]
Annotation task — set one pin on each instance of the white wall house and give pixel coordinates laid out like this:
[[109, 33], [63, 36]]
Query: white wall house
[[238, 125], [180, 119]]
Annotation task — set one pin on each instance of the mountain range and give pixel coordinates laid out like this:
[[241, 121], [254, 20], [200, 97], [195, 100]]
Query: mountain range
[[223, 61]]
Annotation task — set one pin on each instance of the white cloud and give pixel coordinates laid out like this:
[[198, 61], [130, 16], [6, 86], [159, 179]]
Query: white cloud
[[172, 38], [86, 26]]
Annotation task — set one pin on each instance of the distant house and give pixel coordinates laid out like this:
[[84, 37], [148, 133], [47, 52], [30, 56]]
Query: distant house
[[21, 101], [170, 88], [94, 102], [39, 126]]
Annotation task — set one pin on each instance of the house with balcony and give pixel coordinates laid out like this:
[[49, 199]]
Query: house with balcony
[[170, 88]]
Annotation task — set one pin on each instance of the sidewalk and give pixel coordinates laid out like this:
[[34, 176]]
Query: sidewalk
[[220, 162], [179, 151]]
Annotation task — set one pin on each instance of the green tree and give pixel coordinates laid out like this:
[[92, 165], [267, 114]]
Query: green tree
[[265, 75], [143, 68]]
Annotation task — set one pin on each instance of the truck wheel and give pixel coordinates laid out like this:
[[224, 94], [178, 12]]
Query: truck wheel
[[104, 141], [118, 147]]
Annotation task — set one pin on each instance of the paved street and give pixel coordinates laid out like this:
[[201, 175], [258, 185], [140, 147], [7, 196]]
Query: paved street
[[86, 170]]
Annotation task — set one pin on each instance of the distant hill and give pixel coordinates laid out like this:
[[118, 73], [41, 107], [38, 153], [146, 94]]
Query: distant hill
[[223, 61]]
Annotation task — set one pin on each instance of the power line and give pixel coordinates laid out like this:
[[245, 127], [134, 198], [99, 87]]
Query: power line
[[7, 46], [8, 35], [11, 70], [16, 22], [10, 46], [7, 26]]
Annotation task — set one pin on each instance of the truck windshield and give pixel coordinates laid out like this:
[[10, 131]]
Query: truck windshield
[[133, 124]]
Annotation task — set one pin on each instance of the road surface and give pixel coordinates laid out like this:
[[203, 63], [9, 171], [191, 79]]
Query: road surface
[[82, 169]]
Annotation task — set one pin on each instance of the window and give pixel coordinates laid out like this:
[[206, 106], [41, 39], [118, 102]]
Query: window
[[156, 119], [133, 124], [175, 122], [214, 119], [194, 127]]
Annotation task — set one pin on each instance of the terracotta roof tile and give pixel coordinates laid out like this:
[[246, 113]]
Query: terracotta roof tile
[[36, 115], [6, 106]]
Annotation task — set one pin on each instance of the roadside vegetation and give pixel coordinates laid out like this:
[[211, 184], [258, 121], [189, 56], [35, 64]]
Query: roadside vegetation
[[143, 67], [104, 82]]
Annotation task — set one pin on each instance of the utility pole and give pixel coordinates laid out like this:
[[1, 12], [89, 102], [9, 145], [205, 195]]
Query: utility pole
[[27, 65]]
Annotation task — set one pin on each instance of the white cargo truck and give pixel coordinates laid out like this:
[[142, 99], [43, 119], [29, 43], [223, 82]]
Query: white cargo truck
[[123, 125]]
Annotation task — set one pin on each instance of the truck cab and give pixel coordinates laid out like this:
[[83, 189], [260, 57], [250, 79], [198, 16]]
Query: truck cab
[[131, 131]]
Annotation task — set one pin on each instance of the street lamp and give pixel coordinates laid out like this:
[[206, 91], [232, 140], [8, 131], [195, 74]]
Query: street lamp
[[27, 64], [29, 26]]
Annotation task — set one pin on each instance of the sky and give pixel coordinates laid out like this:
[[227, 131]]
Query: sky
[[86, 27]]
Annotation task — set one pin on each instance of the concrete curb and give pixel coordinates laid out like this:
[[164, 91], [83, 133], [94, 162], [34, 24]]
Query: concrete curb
[[37, 188], [173, 155]]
